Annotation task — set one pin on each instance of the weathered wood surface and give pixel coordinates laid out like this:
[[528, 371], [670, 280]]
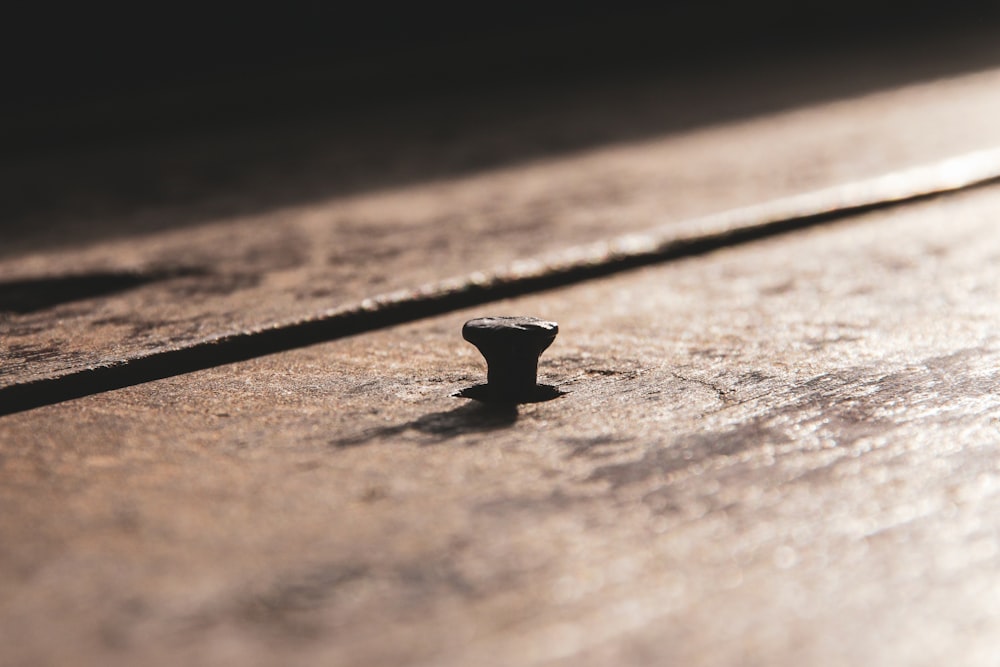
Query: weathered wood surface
[[182, 286], [784, 453]]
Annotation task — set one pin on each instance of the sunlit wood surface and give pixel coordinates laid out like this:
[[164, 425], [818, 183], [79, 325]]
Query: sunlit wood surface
[[189, 284], [783, 452]]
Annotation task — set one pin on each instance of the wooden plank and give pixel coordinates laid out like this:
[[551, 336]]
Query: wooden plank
[[567, 266], [783, 454], [186, 286]]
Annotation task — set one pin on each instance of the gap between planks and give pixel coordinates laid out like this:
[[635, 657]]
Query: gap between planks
[[572, 265]]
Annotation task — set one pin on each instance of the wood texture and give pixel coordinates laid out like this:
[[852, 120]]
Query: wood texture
[[779, 454], [183, 286]]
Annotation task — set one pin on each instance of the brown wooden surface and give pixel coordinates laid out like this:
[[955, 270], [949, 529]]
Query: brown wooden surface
[[184, 285], [778, 454]]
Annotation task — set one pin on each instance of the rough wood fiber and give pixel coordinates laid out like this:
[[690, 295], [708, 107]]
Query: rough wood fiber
[[183, 286], [780, 454]]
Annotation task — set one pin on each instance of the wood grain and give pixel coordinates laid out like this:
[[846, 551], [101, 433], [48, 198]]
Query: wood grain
[[778, 454], [187, 286]]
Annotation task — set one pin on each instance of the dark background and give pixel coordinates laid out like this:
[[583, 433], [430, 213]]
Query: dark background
[[77, 70], [210, 110]]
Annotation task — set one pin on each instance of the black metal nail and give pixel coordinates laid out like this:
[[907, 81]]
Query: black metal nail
[[511, 346]]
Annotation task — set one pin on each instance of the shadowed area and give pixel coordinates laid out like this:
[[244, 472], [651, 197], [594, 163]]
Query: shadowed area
[[33, 294], [464, 420], [146, 139]]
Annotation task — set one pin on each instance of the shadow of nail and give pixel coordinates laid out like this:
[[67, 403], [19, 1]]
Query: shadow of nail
[[443, 426]]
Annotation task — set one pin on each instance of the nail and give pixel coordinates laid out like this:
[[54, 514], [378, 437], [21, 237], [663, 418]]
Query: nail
[[511, 346]]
